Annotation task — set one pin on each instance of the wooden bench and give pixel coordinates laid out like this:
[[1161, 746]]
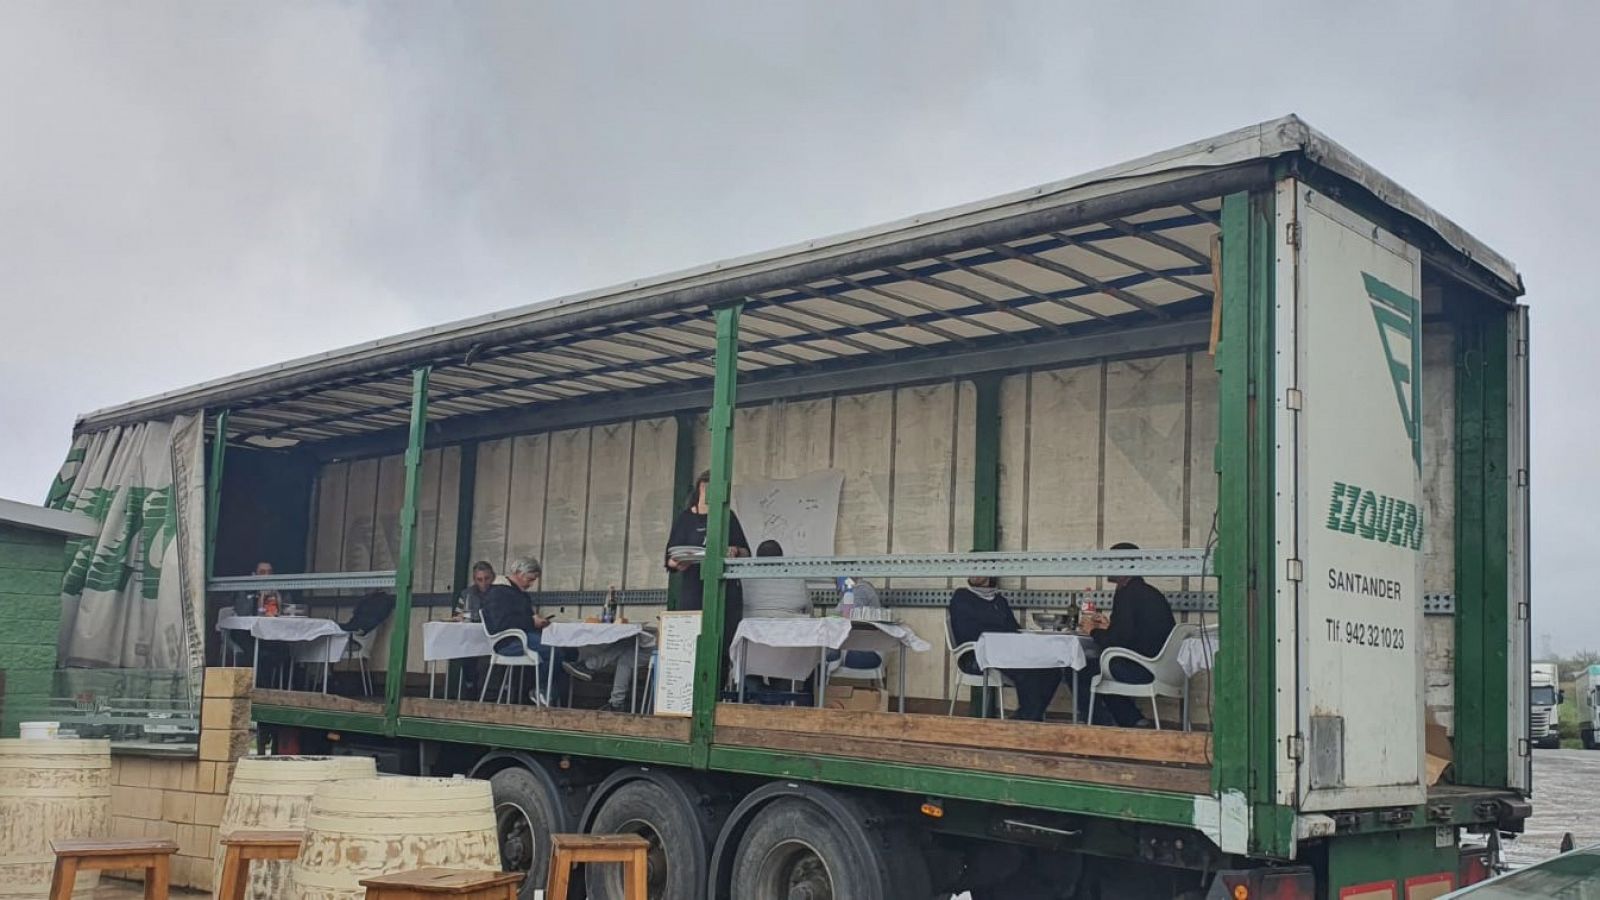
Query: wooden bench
[[240, 848], [463, 884], [567, 850], [153, 856]]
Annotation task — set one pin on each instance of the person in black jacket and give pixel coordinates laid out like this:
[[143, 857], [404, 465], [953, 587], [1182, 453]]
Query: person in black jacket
[[980, 608], [507, 606], [1140, 620], [689, 530]]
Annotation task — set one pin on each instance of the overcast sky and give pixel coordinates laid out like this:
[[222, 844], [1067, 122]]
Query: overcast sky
[[189, 191]]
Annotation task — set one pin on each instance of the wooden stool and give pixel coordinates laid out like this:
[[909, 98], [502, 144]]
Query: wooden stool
[[465, 884], [567, 850], [72, 857], [240, 847]]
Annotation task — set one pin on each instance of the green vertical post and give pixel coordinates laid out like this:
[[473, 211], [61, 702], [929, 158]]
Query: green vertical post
[[1483, 613], [708, 655], [682, 481], [986, 465], [394, 680], [1244, 730], [219, 455], [466, 494]]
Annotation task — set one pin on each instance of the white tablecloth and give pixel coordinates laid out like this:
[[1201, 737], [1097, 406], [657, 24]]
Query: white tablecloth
[[791, 647], [331, 639], [453, 640], [1031, 650], [587, 634], [1197, 654]]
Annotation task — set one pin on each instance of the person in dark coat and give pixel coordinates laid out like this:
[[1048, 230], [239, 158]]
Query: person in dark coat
[[507, 606], [980, 608], [1140, 620], [689, 530]]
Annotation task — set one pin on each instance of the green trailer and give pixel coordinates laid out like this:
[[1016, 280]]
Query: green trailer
[[1299, 388]]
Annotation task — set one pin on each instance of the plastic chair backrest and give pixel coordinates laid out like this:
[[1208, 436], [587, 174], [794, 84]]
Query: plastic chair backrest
[[1165, 666]]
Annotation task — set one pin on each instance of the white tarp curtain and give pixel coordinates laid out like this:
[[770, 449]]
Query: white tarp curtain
[[133, 596], [801, 514]]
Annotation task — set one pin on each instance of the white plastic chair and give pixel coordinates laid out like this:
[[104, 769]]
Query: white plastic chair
[[960, 679], [522, 657], [1169, 678]]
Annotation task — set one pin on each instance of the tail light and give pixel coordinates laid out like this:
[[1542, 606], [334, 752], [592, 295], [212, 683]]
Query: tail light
[[1475, 866], [1297, 883]]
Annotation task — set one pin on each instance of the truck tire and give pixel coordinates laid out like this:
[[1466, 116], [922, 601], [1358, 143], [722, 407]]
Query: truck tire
[[525, 815], [792, 849], [1587, 735], [679, 855]]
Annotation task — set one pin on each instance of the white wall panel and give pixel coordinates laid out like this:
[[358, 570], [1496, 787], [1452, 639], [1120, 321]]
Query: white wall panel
[[1438, 459], [802, 438], [1146, 421], [861, 449], [924, 464], [606, 512], [360, 504], [491, 490], [566, 510], [652, 502], [1014, 464], [386, 512], [333, 482], [1064, 464], [444, 558], [530, 472], [427, 533]]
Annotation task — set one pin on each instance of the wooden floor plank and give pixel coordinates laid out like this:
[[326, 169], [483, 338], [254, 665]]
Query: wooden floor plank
[[587, 721], [1147, 776], [1137, 744], [317, 700]]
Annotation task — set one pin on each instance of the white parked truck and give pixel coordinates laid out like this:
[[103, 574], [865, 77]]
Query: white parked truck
[[1586, 696], [1544, 698]]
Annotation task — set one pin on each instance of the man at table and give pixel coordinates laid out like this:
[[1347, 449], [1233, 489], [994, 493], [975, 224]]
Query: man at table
[[507, 607], [1140, 620], [779, 598], [619, 659], [980, 608], [274, 656], [469, 603]]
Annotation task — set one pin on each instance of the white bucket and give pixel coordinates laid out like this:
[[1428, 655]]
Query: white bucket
[[39, 731]]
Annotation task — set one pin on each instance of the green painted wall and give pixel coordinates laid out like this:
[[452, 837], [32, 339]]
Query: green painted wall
[[31, 565]]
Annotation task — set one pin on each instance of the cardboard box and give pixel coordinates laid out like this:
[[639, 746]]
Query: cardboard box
[[856, 698]]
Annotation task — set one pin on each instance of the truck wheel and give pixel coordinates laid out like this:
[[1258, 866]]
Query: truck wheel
[[678, 853], [525, 815], [1587, 735], [794, 851]]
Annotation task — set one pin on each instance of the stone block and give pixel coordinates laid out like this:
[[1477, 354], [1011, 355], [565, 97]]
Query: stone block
[[228, 682], [224, 746], [177, 807], [224, 713], [208, 809]]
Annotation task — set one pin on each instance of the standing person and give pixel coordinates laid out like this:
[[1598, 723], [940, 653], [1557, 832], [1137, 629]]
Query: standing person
[[1140, 620], [507, 606], [980, 608], [469, 608], [689, 530]]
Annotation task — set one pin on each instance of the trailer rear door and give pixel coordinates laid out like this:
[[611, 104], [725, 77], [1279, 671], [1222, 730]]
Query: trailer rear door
[[1352, 561]]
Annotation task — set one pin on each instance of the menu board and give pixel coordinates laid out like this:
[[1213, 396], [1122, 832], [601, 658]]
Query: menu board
[[680, 635]]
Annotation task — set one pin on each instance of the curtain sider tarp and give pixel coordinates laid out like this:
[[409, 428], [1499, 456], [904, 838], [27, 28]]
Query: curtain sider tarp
[[133, 596]]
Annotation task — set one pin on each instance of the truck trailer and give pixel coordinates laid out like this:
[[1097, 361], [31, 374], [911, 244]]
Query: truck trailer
[[1586, 697], [1544, 702], [1298, 389]]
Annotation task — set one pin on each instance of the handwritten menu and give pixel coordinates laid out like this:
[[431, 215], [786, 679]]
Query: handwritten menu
[[680, 635]]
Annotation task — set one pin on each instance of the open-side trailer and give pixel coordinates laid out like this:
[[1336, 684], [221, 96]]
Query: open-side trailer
[[1296, 384]]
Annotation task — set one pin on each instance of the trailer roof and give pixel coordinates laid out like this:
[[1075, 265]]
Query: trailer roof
[[1115, 247]]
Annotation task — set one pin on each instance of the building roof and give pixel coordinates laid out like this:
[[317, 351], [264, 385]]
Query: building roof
[[40, 518], [1125, 244]]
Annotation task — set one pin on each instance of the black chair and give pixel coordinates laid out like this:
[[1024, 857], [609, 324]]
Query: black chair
[[370, 613]]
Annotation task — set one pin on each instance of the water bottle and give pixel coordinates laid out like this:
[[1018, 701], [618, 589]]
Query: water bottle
[[609, 613], [847, 596]]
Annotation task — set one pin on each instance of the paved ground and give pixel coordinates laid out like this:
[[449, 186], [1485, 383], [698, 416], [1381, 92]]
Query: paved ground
[[127, 890], [1566, 793]]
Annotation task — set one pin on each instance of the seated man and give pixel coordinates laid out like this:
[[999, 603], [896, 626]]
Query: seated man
[[1140, 620], [274, 655], [469, 603], [980, 608], [617, 658], [507, 606], [775, 598]]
